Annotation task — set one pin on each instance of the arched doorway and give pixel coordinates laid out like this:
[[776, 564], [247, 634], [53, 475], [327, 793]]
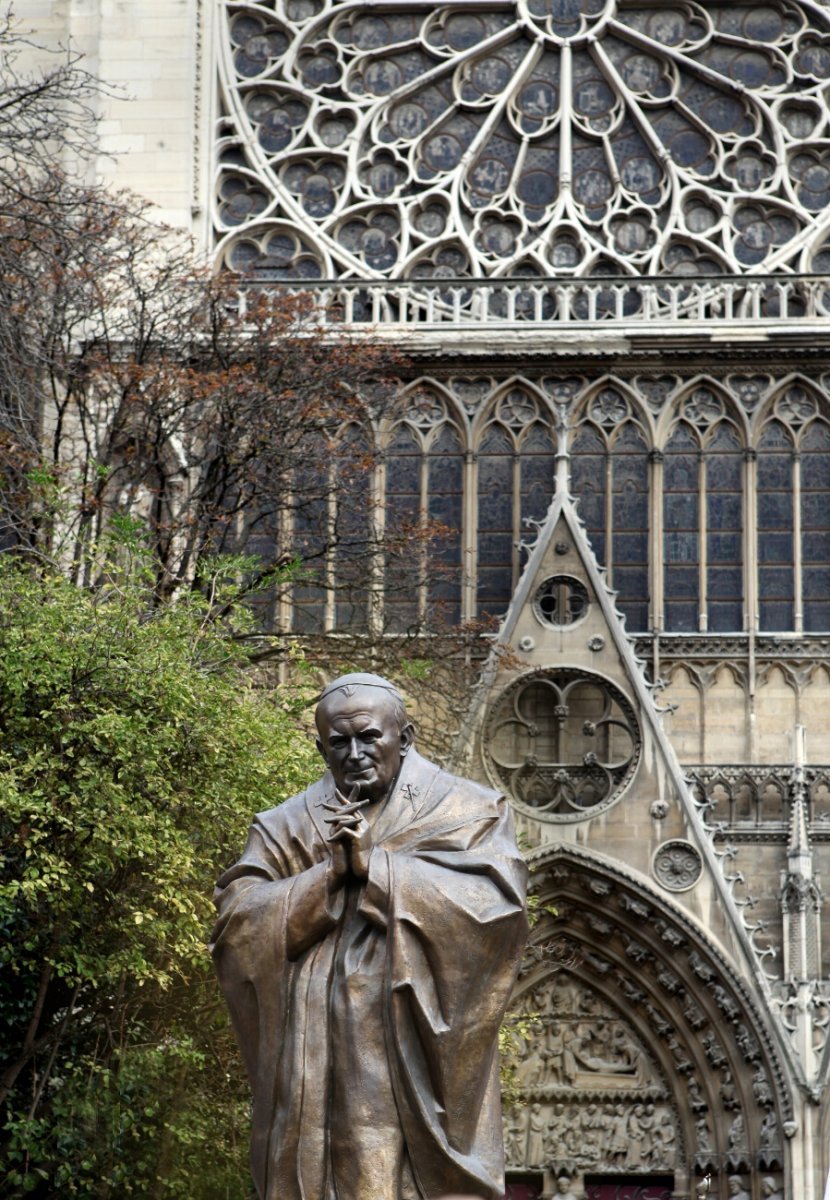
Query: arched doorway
[[647, 1064]]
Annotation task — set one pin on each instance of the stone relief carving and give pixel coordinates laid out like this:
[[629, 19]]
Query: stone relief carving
[[677, 865], [687, 999], [629, 1135], [595, 1099]]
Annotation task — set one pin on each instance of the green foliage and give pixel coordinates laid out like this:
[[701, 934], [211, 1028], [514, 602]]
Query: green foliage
[[133, 753]]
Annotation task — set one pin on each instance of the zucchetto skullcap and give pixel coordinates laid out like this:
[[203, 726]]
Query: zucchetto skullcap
[[359, 679]]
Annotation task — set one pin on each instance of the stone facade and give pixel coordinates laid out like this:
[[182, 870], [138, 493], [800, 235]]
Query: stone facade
[[665, 742]]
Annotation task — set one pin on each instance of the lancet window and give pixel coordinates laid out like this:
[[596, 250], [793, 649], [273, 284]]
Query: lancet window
[[424, 483], [515, 486], [330, 520], [703, 521], [610, 476], [709, 507]]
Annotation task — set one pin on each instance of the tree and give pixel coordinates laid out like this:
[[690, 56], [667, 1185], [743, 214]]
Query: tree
[[134, 751], [131, 382]]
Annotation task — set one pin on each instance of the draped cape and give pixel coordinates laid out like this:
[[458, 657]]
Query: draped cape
[[435, 935]]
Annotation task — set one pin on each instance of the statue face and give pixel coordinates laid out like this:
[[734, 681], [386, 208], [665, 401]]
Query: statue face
[[360, 740]]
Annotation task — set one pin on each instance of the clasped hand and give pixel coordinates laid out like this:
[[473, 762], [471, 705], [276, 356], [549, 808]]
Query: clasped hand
[[351, 835]]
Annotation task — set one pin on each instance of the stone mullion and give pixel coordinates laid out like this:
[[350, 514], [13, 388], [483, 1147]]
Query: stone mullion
[[655, 566], [378, 517], [798, 589], [469, 605], [609, 518], [703, 527], [423, 517], [517, 520], [329, 573]]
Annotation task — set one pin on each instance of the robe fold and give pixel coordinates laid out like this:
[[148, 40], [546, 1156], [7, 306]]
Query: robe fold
[[368, 1017]]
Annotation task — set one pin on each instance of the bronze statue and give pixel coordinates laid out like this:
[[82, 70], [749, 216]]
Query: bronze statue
[[367, 944]]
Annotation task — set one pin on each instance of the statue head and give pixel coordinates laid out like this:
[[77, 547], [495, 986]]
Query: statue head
[[364, 733]]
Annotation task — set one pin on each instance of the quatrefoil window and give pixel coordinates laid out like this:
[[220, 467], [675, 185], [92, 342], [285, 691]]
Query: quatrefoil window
[[563, 743]]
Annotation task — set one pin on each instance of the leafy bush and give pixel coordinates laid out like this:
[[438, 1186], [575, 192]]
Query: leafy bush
[[133, 751]]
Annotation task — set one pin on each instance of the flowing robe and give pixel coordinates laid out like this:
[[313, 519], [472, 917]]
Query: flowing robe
[[368, 1019]]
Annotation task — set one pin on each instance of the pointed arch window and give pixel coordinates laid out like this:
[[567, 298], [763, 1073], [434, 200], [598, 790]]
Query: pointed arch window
[[309, 512], [681, 530], [352, 533], [331, 514], [516, 462], [723, 465], [424, 518], [403, 507], [610, 475], [445, 507], [776, 575], [815, 525], [629, 518]]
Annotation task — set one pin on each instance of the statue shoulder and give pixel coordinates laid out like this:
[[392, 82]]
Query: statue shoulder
[[478, 793], [292, 810], [476, 796]]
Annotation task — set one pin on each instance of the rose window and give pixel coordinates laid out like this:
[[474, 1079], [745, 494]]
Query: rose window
[[531, 137], [563, 743]]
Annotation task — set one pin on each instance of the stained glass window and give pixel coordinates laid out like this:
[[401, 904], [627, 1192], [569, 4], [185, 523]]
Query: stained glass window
[[681, 525], [515, 485], [723, 461], [610, 476], [309, 512], [495, 520], [352, 533], [629, 521], [776, 582], [424, 483], [445, 484], [815, 526], [402, 515]]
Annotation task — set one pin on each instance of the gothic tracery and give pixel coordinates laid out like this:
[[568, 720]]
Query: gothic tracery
[[523, 136]]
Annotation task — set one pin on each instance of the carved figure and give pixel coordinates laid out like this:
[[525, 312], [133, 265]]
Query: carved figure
[[702, 1135], [367, 943], [536, 1130], [770, 1189], [556, 1049], [514, 1137], [725, 1002], [663, 1154], [647, 1122], [618, 1136], [761, 1088], [737, 1191], [769, 1131], [563, 1188], [736, 1138]]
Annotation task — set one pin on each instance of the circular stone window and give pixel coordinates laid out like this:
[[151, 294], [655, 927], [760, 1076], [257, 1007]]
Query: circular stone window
[[560, 600], [563, 743]]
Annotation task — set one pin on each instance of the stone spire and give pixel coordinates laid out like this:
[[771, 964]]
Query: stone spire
[[800, 893]]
